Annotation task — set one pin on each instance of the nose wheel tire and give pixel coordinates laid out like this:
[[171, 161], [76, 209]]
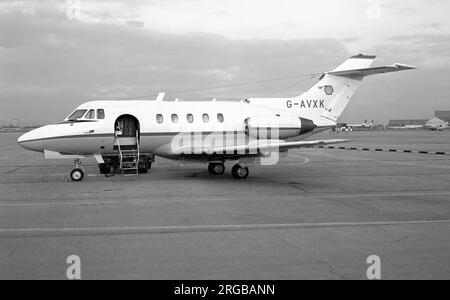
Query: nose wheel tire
[[77, 175], [240, 172], [216, 169]]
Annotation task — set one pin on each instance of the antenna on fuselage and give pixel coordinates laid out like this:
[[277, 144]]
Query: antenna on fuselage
[[160, 97]]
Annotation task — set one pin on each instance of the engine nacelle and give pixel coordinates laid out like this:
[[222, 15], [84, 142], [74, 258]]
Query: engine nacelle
[[277, 126]]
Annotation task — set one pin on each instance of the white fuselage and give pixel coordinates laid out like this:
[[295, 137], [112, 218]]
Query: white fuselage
[[97, 136]]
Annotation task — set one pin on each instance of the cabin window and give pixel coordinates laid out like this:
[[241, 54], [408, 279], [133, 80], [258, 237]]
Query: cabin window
[[205, 118], [174, 118], [100, 114], [220, 118], [90, 115], [78, 114], [190, 118], [159, 119]]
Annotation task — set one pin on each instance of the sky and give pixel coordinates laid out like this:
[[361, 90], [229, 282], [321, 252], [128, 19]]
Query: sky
[[55, 55]]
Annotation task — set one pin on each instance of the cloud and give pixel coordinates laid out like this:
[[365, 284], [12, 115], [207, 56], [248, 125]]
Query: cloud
[[426, 50], [49, 61]]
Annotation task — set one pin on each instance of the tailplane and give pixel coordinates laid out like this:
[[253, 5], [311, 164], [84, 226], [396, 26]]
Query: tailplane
[[335, 89]]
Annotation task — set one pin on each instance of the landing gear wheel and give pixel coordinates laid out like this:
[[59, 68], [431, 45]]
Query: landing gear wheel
[[240, 172], [105, 168], [77, 175], [216, 169]]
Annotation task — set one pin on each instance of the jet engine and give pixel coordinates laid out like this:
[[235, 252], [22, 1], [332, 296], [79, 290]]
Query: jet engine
[[277, 126]]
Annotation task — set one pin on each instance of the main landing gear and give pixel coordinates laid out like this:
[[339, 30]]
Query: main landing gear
[[240, 172], [77, 173], [237, 171], [216, 169]]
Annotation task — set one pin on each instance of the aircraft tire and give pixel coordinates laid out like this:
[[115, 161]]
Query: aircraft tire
[[77, 175], [240, 172], [105, 168], [216, 169]]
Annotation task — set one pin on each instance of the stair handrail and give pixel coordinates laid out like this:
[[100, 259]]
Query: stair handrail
[[120, 150], [138, 150]]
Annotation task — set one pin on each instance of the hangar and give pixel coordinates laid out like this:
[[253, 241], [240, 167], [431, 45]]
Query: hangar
[[407, 124], [443, 115]]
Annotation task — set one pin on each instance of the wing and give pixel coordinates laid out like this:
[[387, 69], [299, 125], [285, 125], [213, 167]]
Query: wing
[[257, 147]]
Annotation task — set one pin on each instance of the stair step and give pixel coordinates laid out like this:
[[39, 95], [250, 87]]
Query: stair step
[[129, 158]]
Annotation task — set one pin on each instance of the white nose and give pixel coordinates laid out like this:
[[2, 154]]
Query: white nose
[[32, 140]]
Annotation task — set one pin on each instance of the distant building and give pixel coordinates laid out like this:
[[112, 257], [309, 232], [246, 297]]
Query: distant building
[[407, 124], [437, 124], [443, 115]]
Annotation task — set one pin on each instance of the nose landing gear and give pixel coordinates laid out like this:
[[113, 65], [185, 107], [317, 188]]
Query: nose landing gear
[[77, 173]]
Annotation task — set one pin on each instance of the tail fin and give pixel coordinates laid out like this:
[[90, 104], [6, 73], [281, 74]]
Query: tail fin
[[338, 86]]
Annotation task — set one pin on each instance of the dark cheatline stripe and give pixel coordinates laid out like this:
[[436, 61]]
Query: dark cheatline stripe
[[72, 137], [144, 134], [361, 56], [77, 121]]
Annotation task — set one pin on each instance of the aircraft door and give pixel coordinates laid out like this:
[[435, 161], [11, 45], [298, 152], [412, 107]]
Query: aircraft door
[[127, 131]]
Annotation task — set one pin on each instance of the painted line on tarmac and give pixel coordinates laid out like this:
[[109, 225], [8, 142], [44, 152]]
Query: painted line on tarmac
[[307, 160], [401, 163], [239, 198], [110, 231], [386, 150]]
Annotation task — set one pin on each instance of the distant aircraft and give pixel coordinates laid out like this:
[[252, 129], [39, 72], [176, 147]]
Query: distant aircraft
[[126, 135], [364, 124]]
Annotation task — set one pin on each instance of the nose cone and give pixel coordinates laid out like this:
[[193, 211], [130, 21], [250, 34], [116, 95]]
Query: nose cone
[[32, 141]]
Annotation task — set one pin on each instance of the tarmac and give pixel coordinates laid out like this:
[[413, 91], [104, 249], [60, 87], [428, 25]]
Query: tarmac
[[319, 214]]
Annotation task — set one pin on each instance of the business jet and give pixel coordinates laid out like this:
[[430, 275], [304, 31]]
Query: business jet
[[125, 136]]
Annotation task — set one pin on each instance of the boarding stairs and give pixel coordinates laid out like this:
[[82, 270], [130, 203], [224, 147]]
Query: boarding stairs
[[129, 157]]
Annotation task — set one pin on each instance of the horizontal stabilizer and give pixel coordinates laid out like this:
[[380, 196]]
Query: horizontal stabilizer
[[371, 71]]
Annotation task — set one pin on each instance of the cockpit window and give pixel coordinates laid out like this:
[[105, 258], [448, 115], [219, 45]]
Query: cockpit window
[[78, 114], [90, 115], [100, 114]]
